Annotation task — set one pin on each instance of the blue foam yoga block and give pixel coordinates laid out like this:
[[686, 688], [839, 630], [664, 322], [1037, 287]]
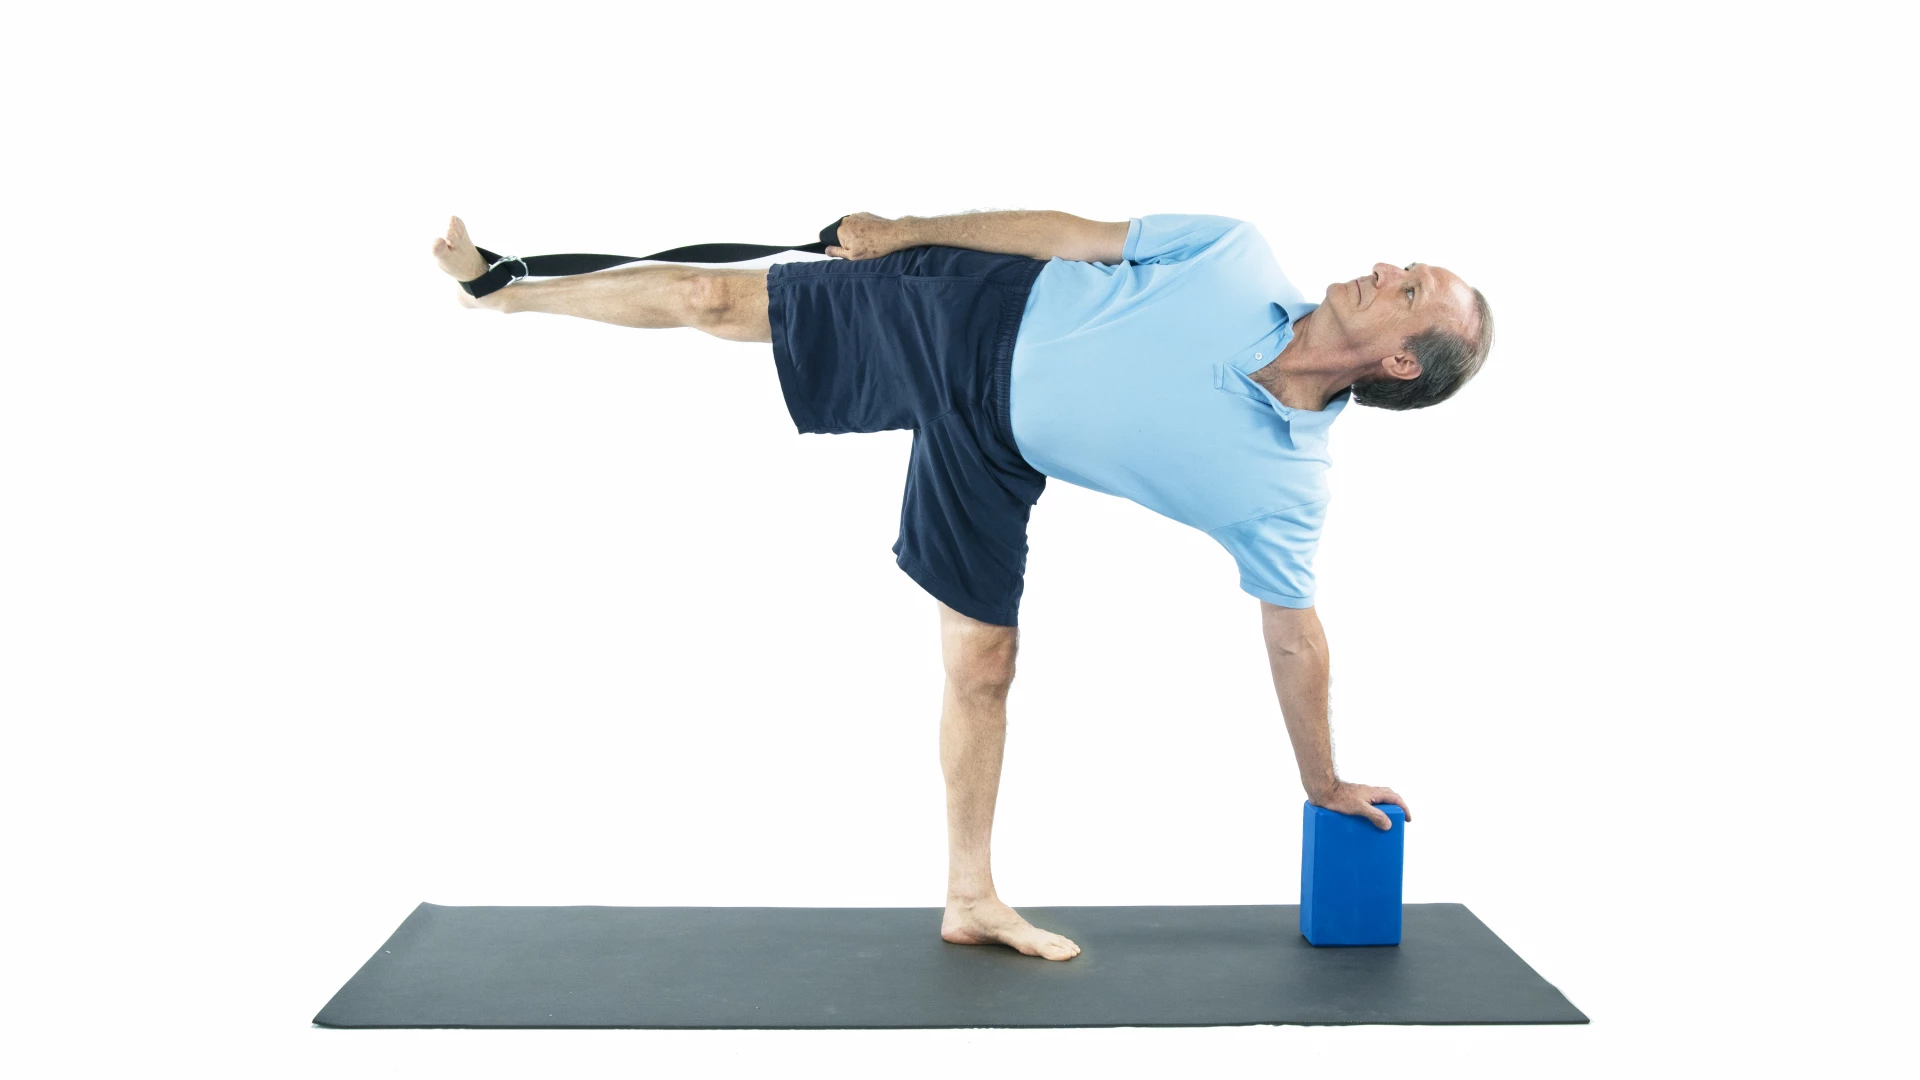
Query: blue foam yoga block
[[1350, 878]]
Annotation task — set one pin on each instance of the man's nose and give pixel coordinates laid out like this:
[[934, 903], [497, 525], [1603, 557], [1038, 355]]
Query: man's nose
[[1383, 273]]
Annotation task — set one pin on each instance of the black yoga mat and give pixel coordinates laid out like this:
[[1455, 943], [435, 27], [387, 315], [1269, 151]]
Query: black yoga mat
[[689, 967]]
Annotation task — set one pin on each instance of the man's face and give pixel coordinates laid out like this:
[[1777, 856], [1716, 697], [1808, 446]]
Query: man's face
[[1375, 314]]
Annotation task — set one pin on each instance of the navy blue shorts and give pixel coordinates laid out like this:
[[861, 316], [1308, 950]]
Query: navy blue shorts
[[922, 340]]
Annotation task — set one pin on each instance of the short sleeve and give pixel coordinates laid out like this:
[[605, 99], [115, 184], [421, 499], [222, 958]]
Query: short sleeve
[[1160, 238], [1275, 553]]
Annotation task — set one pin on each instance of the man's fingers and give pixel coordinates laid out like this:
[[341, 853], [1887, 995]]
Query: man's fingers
[[1355, 805], [837, 252], [1387, 795]]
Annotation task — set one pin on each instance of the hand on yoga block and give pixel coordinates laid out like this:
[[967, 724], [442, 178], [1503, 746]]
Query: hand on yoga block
[[1350, 877]]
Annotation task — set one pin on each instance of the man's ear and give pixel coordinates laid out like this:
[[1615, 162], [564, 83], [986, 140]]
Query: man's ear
[[1400, 366]]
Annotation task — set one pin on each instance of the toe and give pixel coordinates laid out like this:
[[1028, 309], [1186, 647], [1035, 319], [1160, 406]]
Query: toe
[[1055, 947]]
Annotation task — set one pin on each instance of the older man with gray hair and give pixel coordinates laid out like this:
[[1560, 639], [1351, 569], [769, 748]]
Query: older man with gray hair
[[1164, 359]]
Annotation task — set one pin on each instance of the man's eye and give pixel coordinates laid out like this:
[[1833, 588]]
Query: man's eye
[[1409, 292]]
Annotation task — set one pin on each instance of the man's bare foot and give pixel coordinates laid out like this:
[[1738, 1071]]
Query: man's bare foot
[[462, 261], [990, 922]]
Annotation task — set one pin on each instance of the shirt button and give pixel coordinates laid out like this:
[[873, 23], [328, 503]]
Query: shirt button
[[1257, 356]]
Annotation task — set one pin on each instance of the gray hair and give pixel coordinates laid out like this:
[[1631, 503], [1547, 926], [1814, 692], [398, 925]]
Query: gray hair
[[1447, 361]]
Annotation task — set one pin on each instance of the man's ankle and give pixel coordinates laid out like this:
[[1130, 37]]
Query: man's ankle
[[966, 894]]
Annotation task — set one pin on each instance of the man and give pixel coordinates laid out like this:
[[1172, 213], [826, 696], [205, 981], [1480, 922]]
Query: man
[[1164, 359]]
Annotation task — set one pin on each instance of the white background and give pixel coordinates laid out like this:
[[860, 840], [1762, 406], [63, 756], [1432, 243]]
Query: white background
[[323, 596]]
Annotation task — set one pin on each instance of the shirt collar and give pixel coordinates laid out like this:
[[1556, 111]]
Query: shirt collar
[[1306, 421], [1296, 310]]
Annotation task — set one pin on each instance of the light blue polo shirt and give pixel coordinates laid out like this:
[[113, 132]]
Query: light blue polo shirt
[[1133, 380]]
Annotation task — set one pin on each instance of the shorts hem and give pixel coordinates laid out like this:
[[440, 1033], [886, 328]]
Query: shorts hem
[[953, 596], [783, 366]]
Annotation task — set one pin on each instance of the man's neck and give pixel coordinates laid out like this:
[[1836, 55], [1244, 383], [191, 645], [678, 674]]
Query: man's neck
[[1300, 376]]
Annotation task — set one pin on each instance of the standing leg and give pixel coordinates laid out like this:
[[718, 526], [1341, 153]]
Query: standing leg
[[730, 304], [979, 658]]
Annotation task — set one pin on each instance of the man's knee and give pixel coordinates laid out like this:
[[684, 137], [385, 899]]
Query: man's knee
[[979, 658], [727, 303], [706, 298]]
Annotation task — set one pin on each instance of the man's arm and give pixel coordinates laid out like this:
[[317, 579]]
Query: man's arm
[[1297, 653], [1037, 234]]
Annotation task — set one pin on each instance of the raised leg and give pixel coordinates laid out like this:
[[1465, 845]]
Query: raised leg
[[730, 304], [979, 661]]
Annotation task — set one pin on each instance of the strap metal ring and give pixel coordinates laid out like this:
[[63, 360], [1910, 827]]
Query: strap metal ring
[[525, 271]]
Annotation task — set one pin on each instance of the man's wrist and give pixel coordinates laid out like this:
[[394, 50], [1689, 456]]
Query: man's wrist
[[908, 232], [1320, 787]]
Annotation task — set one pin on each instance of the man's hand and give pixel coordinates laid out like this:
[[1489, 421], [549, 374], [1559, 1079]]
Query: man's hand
[[865, 236], [1358, 799]]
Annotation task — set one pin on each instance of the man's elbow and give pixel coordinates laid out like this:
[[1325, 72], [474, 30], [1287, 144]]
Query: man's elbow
[[1093, 241], [1292, 633], [1296, 647]]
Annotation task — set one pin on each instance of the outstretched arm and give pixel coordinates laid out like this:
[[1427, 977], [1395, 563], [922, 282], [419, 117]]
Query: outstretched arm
[[1037, 234], [1297, 653]]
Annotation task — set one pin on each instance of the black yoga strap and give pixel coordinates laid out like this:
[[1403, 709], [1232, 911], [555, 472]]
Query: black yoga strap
[[500, 270]]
